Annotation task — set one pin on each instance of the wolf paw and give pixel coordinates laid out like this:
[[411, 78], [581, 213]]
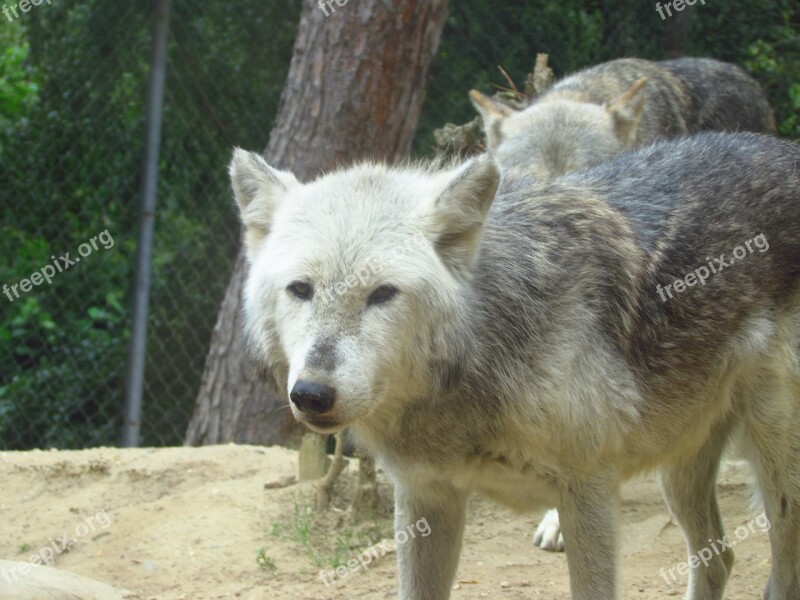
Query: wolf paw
[[548, 535]]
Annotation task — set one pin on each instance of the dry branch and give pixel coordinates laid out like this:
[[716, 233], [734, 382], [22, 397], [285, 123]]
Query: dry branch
[[467, 139]]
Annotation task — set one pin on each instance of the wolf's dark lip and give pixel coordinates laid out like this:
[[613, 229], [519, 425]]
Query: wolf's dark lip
[[323, 425]]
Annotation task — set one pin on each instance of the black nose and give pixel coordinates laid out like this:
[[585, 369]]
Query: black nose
[[311, 397]]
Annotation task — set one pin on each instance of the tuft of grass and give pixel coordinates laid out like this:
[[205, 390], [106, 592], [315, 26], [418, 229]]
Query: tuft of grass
[[265, 562], [23, 548], [277, 530], [325, 548]]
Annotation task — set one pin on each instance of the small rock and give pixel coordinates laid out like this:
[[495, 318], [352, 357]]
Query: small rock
[[281, 482]]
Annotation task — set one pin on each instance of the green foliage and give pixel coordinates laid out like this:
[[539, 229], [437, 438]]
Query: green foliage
[[18, 86], [64, 343], [72, 89], [763, 36], [777, 65]]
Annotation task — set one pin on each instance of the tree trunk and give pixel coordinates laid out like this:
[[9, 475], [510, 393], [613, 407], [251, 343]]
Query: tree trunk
[[354, 90]]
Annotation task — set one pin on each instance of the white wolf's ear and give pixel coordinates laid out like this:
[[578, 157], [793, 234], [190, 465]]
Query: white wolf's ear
[[626, 111], [493, 113], [259, 190], [454, 214]]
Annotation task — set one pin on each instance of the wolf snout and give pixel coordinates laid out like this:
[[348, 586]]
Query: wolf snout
[[313, 398]]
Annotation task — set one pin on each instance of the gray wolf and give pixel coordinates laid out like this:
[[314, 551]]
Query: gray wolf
[[595, 114], [517, 345]]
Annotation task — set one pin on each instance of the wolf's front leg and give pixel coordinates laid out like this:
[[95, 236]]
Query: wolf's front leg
[[588, 513], [429, 524]]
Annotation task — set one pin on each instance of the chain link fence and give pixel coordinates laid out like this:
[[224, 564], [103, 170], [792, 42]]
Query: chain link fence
[[71, 160], [72, 89]]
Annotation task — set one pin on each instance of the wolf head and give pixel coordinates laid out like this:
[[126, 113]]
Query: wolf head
[[357, 280], [555, 136]]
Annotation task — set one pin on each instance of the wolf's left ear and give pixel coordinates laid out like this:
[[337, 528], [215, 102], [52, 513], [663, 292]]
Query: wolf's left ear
[[493, 113], [454, 214], [259, 190], [626, 111]]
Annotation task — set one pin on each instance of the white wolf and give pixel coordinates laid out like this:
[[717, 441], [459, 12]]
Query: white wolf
[[517, 344]]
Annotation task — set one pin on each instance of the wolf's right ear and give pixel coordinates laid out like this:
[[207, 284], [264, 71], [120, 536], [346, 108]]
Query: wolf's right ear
[[493, 114], [259, 190], [626, 111]]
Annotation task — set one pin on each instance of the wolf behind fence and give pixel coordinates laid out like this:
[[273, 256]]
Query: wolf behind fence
[[593, 115], [523, 351]]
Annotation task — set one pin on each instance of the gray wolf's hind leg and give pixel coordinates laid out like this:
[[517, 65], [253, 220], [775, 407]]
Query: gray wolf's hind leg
[[689, 488], [773, 437]]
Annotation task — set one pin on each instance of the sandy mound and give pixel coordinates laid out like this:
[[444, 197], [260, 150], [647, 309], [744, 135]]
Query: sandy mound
[[27, 581], [198, 523]]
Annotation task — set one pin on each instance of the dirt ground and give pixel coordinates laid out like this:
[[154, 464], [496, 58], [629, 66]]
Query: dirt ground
[[199, 524]]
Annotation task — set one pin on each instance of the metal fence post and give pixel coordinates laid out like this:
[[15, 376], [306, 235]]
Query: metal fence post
[[134, 385]]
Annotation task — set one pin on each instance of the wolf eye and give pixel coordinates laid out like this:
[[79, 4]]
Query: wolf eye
[[382, 294], [301, 290]]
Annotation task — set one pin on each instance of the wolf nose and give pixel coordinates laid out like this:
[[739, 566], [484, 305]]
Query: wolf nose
[[311, 397]]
